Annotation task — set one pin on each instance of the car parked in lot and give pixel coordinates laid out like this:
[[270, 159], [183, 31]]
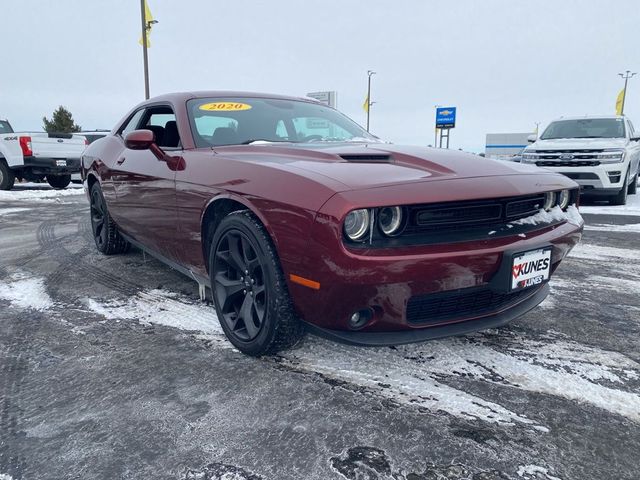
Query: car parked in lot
[[601, 153], [294, 216], [34, 156]]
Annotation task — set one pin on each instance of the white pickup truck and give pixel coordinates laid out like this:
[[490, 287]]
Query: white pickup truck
[[34, 156], [601, 153]]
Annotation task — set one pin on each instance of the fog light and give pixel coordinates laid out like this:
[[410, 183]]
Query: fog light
[[360, 318]]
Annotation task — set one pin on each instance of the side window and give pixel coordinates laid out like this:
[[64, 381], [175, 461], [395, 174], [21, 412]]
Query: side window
[[632, 131], [132, 124], [162, 122]]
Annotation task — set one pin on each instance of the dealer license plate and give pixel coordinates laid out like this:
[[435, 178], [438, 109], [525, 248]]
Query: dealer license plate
[[530, 268], [61, 163]]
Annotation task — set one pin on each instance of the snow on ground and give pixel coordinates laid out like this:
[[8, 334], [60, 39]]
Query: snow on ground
[[416, 374], [11, 211], [38, 193], [411, 373], [597, 253], [632, 208], [25, 292], [532, 471], [631, 228], [163, 308]]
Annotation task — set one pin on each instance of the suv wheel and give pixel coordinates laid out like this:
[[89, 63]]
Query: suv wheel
[[105, 233], [621, 197], [633, 186], [249, 289], [59, 181], [7, 177]]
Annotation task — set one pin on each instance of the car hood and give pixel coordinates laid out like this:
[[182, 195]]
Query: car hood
[[578, 144], [358, 166]]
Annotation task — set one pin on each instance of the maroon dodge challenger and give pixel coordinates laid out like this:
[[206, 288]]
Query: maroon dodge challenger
[[296, 218]]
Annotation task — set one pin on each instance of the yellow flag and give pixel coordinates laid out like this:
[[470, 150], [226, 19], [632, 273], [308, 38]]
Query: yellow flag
[[619, 102], [365, 105], [148, 18]]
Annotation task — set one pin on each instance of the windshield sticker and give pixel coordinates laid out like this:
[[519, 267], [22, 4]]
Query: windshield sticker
[[224, 107]]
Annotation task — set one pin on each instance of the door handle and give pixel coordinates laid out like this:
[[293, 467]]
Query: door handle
[[121, 161]]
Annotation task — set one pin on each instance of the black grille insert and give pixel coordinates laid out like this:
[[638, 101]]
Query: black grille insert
[[458, 305]]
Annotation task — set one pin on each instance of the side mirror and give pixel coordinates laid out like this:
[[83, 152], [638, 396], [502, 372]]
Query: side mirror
[[532, 138], [139, 139], [635, 139]]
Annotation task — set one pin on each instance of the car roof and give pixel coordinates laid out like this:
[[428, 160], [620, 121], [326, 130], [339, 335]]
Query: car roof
[[184, 96], [588, 117]]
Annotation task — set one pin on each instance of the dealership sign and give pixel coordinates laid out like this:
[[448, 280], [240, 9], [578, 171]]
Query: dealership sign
[[445, 117]]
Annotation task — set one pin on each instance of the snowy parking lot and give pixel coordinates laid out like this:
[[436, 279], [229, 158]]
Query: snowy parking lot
[[112, 368]]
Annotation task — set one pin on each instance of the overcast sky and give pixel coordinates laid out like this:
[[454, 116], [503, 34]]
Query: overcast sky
[[505, 64]]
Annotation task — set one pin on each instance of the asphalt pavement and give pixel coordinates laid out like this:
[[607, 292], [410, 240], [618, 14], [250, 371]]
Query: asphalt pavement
[[111, 368]]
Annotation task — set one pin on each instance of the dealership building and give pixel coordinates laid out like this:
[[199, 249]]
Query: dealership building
[[504, 145]]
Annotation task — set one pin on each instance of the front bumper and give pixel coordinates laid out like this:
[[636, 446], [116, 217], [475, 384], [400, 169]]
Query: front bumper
[[385, 282], [52, 166], [493, 320], [604, 179]]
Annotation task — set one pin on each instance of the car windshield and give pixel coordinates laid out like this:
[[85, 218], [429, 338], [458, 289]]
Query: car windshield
[[238, 121], [5, 127], [585, 128]]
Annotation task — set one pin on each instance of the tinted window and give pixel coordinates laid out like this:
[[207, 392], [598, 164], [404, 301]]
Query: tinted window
[[162, 122], [234, 121], [585, 128], [132, 124], [5, 127]]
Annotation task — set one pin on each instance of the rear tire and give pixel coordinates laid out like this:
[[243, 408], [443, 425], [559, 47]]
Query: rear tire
[[59, 181], [105, 233], [7, 177], [621, 197], [249, 289], [633, 186]]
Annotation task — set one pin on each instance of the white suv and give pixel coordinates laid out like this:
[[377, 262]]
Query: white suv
[[601, 154]]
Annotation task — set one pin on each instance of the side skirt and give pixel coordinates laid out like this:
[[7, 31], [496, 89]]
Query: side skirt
[[204, 284]]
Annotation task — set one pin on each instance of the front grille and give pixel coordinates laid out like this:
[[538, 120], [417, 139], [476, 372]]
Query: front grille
[[524, 208], [476, 212], [567, 163], [458, 305], [472, 213]]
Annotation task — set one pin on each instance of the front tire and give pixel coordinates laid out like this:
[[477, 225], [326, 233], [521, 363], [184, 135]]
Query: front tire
[[633, 186], [7, 177], [249, 288], [59, 181], [105, 233], [621, 197]]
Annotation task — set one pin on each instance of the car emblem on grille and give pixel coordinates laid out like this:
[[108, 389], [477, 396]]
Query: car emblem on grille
[[567, 156], [60, 140]]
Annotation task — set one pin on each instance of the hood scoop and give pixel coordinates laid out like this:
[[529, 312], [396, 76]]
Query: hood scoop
[[367, 157]]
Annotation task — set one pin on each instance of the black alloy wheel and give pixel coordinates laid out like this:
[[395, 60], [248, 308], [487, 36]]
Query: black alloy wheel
[[249, 289], [240, 284], [105, 233]]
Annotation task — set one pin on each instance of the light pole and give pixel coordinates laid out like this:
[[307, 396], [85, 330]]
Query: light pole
[[435, 139], [369, 102], [146, 26], [626, 77]]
